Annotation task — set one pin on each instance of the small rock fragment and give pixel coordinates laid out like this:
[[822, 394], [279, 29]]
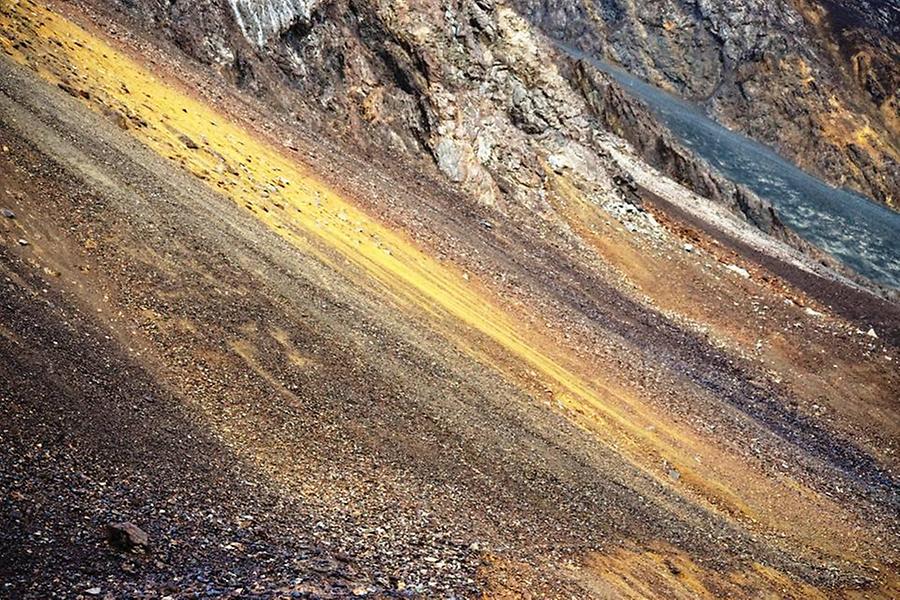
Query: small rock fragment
[[738, 270], [127, 536], [871, 333], [8, 213], [23, 242], [67, 88], [191, 144], [673, 568], [688, 247], [94, 591]]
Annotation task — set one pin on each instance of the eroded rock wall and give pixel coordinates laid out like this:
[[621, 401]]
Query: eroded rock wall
[[472, 84], [816, 79]]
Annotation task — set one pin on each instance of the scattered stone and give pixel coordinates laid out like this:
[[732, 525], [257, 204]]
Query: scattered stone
[[23, 242], [688, 247], [191, 144], [871, 333], [811, 312], [738, 270], [8, 213], [673, 568], [118, 118], [634, 218], [557, 163], [67, 88], [74, 92], [94, 591], [127, 536]]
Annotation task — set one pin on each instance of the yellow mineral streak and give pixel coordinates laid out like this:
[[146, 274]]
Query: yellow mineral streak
[[664, 572], [315, 219]]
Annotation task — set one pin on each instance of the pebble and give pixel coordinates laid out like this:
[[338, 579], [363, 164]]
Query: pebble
[[188, 142], [688, 247], [740, 271], [94, 591], [8, 213], [127, 536], [23, 242]]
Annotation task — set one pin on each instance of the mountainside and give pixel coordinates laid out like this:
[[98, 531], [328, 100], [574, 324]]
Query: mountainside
[[818, 80], [470, 85], [386, 299]]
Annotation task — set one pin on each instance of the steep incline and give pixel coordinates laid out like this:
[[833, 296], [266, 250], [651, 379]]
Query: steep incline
[[817, 80], [468, 86], [308, 370]]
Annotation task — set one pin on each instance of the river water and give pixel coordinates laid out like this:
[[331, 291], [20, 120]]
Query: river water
[[862, 234]]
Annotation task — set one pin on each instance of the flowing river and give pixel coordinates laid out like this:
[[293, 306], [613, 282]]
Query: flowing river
[[862, 234]]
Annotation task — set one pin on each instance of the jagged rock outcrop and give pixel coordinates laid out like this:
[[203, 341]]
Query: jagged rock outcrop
[[627, 118], [260, 20], [470, 83], [816, 79]]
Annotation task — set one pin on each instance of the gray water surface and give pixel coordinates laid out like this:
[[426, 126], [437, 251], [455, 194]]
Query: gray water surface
[[862, 234]]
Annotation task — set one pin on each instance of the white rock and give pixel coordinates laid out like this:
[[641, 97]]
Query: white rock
[[558, 162], [261, 20], [871, 333], [740, 271]]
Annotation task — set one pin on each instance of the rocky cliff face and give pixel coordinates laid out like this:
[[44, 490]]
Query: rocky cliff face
[[815, 79], [261, 20], [469, 83]]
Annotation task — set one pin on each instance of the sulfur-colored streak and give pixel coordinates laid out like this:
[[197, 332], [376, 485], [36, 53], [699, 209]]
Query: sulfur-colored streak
[[318, 221]]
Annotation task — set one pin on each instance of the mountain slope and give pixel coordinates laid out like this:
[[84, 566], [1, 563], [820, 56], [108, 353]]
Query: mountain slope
[[469, 88], [817, 80], [307, 368]]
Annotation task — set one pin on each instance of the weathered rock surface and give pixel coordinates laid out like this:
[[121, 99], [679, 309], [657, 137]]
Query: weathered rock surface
[[413, 417], [816, 79], [471, 84], [127, 536]]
